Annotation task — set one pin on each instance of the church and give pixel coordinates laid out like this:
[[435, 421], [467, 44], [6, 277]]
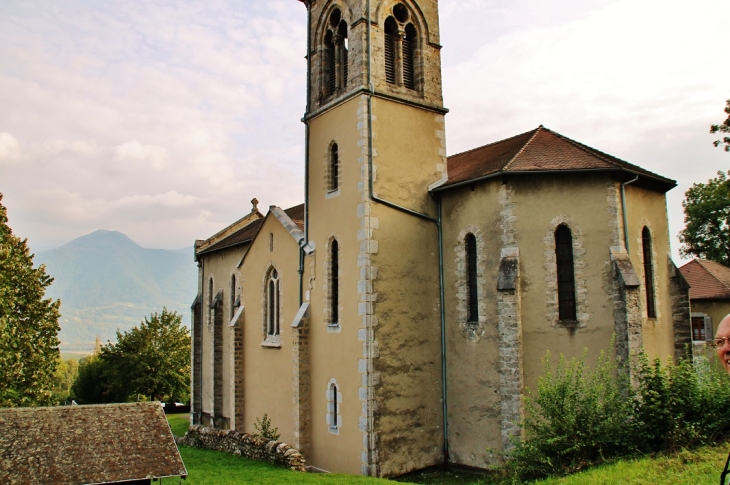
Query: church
[[395, 319]]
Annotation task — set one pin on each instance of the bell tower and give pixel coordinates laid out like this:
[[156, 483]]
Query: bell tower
[[374, 143]]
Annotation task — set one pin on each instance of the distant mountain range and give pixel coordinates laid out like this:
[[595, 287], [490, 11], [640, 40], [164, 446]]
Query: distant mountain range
[[106, 281]]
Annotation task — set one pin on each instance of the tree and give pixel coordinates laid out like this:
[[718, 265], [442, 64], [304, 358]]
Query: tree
[[724, 127], [64, 377], [152, 360], [28, 324], [91, 381], [707, 220]]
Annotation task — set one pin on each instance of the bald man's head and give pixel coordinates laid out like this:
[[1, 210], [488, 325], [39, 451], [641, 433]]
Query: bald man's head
[[723, 346]]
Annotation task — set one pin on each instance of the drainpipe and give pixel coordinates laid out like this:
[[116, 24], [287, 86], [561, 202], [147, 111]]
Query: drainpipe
[[371, 92], [306, 156], [623, 210]]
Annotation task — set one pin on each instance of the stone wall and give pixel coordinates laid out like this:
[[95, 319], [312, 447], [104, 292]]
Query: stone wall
[[244, 444]]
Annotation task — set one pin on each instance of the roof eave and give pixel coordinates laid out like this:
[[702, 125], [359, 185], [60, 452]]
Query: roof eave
[[669, 184]]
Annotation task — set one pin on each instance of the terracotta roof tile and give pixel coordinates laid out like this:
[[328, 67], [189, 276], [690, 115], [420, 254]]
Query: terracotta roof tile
[[707, 279], [86, 444], [536, 151]]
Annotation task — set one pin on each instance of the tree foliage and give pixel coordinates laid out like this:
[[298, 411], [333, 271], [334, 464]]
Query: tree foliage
[[707, 220], [63, 379], [28, 324], [151, 360], [723, 127]]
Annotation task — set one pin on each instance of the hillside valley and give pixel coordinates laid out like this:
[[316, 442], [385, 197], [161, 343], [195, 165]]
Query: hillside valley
[[106, 281]]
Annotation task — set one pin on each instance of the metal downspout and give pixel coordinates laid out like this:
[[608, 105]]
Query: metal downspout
[[442, 301], [623, 211], [306, 156], [371, 92]]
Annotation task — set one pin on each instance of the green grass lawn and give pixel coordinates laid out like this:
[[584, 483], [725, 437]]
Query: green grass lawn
[[178, 423], [702, 466]]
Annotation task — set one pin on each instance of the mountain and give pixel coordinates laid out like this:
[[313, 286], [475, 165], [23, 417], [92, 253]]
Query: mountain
[[106, 281]]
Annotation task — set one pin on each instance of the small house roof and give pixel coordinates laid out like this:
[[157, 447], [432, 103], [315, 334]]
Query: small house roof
[[538, 151], [87, 444], [708, 280]]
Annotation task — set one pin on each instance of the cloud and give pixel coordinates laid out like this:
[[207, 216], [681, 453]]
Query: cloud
[[135, 152], [9, 148]]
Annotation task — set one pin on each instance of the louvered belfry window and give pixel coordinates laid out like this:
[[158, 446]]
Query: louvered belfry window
[[648, 273], [390, 39], [471, 276], [335, 54], [334, 175], [400, 47], [566, 273]]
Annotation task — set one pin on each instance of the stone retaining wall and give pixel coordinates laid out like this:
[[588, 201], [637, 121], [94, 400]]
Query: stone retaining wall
[[244, 444]]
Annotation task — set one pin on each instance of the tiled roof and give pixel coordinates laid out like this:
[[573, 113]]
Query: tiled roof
[[243, 235], [247, 233], [86, 444], [707, 279], [539, 150]]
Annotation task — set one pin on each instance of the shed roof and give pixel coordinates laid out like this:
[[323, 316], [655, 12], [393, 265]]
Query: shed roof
[[86, 444], [540, 150], [708, 280]]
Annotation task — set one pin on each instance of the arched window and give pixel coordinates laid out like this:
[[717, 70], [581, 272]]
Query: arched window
[[333, 182], [648, 273], [211, 315], [272, 304], [566, 273], [400, 45], [470, 243], [334, 402], [233, 296], [335, 54], [334, 283]]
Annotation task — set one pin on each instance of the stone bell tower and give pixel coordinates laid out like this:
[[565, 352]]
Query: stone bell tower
[[375, 142]]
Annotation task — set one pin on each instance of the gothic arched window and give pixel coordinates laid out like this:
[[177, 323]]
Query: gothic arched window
[[233, 296], [648, 273], [335, 54], [470, 243], [272, 303], [566, 273], [400, 40], [211, 316]]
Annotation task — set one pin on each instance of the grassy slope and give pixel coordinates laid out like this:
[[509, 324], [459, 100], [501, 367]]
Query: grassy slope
[[702, 466]]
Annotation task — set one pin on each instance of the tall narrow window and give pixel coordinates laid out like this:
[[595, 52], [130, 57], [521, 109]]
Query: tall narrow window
[[471, 276], [335, 54], [409, 61], [334, 399], [272, 304], [390, 40], [648, 273], [334, 168], [566, 273], [335, 283], [211, 315], [233, 295]]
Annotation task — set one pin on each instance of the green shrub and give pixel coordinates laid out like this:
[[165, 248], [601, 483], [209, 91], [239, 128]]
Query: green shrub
[[578, 418], [265, 430]]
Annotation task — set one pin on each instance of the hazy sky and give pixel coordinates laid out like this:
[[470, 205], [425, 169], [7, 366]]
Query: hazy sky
[[162, 119]]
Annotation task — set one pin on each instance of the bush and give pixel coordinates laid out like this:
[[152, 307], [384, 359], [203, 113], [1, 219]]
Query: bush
[[265, 430], [579, 418]]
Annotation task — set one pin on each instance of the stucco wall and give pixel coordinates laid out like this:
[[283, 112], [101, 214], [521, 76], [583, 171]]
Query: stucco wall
[[648, 208], [268, 369]]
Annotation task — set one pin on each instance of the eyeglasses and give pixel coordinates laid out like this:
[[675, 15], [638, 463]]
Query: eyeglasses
[[720, 342]]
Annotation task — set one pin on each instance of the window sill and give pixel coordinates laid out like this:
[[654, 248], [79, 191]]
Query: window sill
[[334, 328], [272, 342], [569, 323], [331, 194], [334, 430]]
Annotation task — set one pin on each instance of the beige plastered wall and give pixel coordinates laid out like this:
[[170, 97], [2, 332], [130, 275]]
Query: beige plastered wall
[[472, 353], [715, 309], [410, 155], [221, 265], [335, 351], [648, 208], [268, 371]]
